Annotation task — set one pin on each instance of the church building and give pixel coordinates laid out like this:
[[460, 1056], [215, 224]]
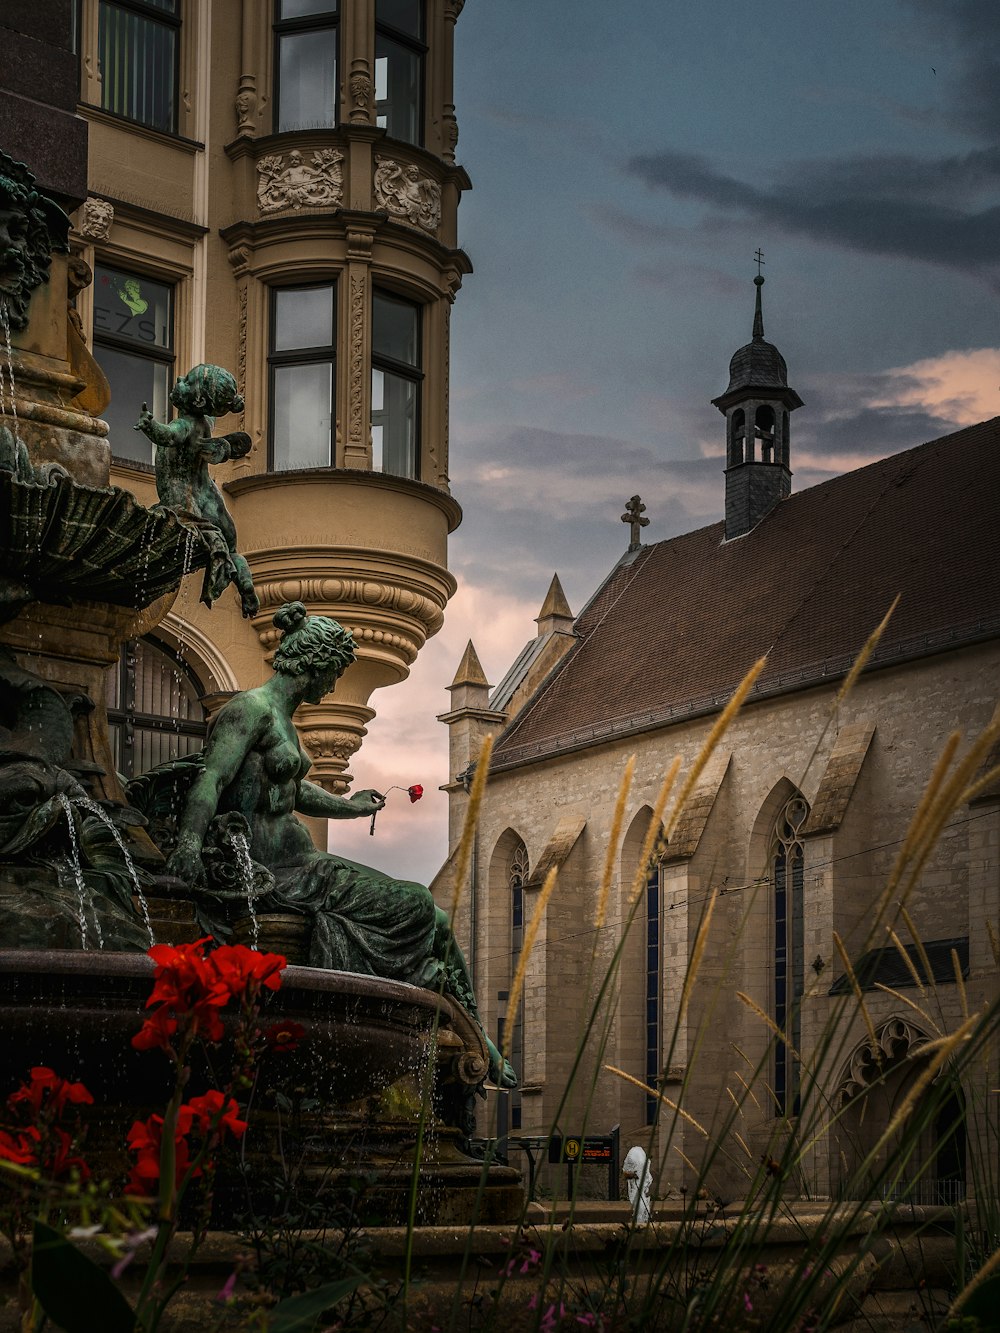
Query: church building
[[790, 832]]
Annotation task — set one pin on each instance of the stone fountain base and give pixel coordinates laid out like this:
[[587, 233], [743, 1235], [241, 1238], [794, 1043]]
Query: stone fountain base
[[314, 1113]]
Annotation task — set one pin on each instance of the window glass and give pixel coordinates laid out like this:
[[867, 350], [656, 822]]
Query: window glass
[[299, 9], [396, 378], [137, 54], [406, 15], [302, 384], [398, 71], [306, 65], [133, 344], [394, 424], [303, 317], [394, 329], [303, 416]]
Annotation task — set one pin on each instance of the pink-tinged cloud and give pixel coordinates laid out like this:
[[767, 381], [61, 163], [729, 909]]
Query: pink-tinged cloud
[[961, 386]]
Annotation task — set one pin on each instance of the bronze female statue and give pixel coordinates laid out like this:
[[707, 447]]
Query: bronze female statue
[[254, 765]]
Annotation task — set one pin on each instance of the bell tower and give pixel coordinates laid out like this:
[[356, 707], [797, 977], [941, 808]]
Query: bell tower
[[756, 406]]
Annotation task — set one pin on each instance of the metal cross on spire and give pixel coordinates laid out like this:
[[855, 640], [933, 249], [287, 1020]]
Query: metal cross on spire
[[759, 256], [633, 516]]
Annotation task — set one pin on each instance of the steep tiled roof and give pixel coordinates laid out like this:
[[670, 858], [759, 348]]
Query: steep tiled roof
[[674, 628]]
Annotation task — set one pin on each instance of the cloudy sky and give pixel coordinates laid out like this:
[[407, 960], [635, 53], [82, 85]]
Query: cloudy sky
[[627, 160]]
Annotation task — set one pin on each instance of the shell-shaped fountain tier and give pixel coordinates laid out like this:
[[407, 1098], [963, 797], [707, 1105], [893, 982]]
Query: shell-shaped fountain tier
[[61, 542]]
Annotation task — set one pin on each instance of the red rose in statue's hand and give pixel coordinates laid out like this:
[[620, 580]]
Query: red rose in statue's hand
[[415, 792]]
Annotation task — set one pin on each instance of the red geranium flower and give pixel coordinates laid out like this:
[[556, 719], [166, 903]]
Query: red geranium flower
[[214, 1111], [145, 1138], [284, 1036], [415, 792], [46, 1087], [20, 1150], [240, 969], [155, 1031], [185, 978]]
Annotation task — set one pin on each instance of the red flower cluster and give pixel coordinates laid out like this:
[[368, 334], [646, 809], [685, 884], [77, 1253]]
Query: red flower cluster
[[415, 792], [39, 1141], [206, 1116], [192, 986]]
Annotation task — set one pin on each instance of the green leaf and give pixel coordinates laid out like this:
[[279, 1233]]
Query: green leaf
[[75, 1294], [298, 1314]]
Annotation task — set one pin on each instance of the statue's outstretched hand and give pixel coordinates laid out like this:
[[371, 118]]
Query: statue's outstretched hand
[[185, 863], [145, 422], [367, 802]]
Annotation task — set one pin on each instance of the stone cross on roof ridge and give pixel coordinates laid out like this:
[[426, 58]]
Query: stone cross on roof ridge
[[633, 516]]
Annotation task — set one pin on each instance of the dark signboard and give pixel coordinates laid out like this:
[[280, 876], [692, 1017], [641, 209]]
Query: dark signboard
[[585, 1150]]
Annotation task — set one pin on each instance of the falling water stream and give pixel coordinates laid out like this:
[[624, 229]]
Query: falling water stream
[[5, 326], [85, 803], [84, 894], [242, 849]]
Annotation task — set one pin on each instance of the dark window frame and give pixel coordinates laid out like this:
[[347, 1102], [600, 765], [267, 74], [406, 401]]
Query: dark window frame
[[329, 18], [124, 715], [146, 351], [404, 370], [300, 356], [154, 13], [418, 45]]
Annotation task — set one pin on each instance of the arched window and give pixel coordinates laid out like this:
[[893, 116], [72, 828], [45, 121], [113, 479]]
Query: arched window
[[517, 875], [789, 948], [654, 989], [737, 432], [764, 430], [154, 707]]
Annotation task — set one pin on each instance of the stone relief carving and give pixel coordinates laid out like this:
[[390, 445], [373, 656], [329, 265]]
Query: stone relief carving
[[96, 219], [895, 1041], [406, 195], [330, 743], [319, 183], [242, 362], [361, 95], [246, 105], [357, 388]]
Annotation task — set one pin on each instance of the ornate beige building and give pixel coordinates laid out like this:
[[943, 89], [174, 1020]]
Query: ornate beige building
[[273, 188], [793, 826]]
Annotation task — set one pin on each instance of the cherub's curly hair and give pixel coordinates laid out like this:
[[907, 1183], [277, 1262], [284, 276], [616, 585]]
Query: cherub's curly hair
[[207, 391], [309, 642]]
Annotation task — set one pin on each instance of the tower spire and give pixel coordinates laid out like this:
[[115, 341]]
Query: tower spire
[[758, 313]]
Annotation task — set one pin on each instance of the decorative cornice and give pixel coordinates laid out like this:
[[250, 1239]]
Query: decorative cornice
[[448, 505]]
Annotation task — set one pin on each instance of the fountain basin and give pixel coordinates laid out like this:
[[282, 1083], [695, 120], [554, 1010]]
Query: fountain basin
[[77, 1011]]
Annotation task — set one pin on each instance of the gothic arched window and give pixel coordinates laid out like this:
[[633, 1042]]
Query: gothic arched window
[[653, 991], [789, 948], [154, 707], [517, 875]]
